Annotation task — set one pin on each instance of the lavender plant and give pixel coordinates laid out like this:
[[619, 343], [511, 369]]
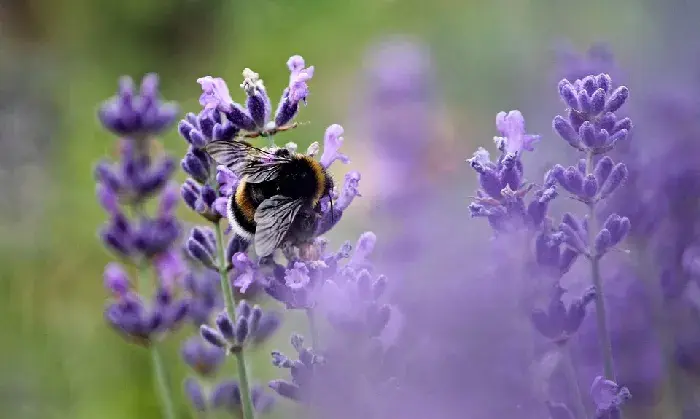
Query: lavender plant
[[662, 205], [592, 128], [147, 311], [207, 191]]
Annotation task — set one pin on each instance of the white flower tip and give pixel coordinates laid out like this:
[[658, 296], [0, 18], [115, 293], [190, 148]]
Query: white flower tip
[[205, 80], [334, 130], [310, 72], [250, 74], [313, 149], [367, 241], [295, 63]]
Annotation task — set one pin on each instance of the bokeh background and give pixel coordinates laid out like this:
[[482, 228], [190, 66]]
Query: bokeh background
[[460, 62]]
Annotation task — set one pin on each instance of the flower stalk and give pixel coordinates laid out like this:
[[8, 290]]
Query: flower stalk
[[601, 317], [230, 302], [160, 377], [161, 383]]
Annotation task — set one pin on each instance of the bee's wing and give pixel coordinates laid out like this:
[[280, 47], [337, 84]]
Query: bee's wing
[[231, 154], [273, 218], [244, 159]]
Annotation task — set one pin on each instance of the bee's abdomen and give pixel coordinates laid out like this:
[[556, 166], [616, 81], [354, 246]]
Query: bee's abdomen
[[241, 211]]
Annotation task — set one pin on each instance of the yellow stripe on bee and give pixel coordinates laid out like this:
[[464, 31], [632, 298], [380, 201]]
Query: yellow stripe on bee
[[319, 175], [245, 205]]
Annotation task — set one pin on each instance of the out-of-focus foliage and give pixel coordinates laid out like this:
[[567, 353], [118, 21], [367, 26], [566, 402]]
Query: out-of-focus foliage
[[59, 59]]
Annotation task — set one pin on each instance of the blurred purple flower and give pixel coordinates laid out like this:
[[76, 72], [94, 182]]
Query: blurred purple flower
[[142, 324], [608, 397], [204, 295], [137, 115], [225, 396], [205, 359], [133, 179], [144, 240]]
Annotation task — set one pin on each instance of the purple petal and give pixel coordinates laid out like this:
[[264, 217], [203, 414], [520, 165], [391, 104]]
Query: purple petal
[[331, 144], [215, 94]]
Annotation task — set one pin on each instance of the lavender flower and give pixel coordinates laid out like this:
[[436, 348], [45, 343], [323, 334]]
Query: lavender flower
[[591, 124], [254, 118], [138, 115], [204, 295], [296, 91], [204, 358], [502, 193], [341, 287], [302, 371], [225, 396], [559, 322], [608, 397], [146, 241], [141, 323], [133, 179], [299, 284], [233, 335]]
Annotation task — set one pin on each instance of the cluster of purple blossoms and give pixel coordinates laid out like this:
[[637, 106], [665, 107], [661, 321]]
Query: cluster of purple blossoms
[[135, 237], [591, 127]]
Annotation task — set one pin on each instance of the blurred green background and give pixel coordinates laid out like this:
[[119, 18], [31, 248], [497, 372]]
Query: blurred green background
[[60, 59]]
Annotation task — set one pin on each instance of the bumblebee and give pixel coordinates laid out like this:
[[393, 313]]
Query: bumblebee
[[278, 198]]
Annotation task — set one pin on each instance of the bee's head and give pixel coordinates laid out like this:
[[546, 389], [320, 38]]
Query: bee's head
[[328, 189], [282, 152]]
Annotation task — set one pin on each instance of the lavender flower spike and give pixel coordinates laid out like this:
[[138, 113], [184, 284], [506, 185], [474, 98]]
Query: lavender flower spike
[[142, 239], [512, 128]]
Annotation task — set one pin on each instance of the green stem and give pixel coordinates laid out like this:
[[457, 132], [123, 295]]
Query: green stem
[[230, 302], [572, 378], [313, 329], [601, 318], [159, 375], [161, 383]]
